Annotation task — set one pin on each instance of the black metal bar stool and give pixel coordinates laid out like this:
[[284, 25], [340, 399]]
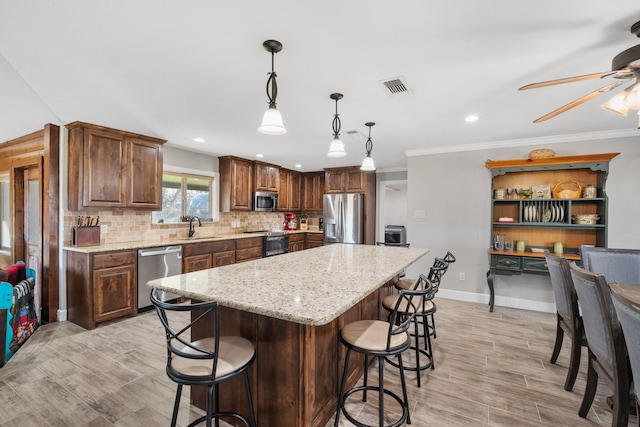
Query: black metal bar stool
[[208, 361], [380, 339]]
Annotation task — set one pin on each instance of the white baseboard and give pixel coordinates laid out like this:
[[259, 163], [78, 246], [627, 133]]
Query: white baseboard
[[62, 315], [524, 304]]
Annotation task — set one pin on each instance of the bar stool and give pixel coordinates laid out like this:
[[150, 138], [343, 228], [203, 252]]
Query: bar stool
[[423, 310], [208, 361], [380, 339]]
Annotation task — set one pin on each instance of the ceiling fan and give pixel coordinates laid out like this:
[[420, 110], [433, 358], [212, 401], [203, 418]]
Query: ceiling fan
[[624, 66]]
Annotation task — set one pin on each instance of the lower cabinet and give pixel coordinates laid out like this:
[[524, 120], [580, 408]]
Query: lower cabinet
[[248, 249], [201, 256], [296, 242], [101, 286], [314, 240]]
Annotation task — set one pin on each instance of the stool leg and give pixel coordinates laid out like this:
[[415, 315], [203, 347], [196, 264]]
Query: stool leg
[[341, 392], [366, 371], [247, 387], [209, 399], [417, 344], [404, 388], [433, 322], [176, 405], [381, 391], [217, 407]]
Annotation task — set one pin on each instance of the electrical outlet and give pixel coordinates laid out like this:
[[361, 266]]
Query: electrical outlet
[[461, 276], [419, 214]]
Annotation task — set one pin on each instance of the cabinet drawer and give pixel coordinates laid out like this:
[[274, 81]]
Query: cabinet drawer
[[296, 237], [208, 247], [315, 237], [223, 258], [249, 242], [507, 262], [113, 259], [248, 253], [535, 264]]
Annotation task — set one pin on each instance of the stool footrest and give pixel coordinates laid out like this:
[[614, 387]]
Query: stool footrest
[[396, 423]]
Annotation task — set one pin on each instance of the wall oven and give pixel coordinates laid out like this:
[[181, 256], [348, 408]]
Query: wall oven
[[275, 243], [264, 202]]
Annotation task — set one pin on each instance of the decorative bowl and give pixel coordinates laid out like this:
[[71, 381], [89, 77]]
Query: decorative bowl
[[586, 219]]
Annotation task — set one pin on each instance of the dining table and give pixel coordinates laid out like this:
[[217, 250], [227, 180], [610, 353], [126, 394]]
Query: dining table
[[627, 291]]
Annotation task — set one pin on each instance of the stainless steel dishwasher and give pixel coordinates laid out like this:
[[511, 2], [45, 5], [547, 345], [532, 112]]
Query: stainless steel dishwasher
[[157, 263]]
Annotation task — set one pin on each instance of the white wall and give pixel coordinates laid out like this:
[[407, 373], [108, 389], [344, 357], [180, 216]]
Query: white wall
[[454, 189]]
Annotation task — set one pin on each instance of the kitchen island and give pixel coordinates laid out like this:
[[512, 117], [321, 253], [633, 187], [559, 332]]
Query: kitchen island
[[292, 307]]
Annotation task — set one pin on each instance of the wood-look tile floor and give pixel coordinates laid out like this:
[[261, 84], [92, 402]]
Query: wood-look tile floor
[[491, 369]]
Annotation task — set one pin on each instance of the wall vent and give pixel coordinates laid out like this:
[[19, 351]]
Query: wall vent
[[396, 86]]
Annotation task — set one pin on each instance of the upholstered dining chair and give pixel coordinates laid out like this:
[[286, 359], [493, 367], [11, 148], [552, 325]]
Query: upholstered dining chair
[[605, 343], [617, 265], [569, 320], [380, 339], [206, 362], [629, 315]]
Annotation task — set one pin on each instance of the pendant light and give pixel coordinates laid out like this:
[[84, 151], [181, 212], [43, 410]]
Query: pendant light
[[336, 148], [367, 163], [272, 120]]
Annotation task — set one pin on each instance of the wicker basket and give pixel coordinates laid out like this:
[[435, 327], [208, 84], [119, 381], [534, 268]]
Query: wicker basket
[[542, 153], [569, 189]]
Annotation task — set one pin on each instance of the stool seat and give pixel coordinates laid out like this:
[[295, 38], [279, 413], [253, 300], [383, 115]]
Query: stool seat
[[235, 352], [372, 335], [390, 301]]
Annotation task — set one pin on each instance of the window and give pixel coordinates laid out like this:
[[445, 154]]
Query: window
[[187, 195]]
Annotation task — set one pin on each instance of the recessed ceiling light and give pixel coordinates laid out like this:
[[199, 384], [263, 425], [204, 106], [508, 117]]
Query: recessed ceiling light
[[198, 139], [298, 165], [471, 118], [260, 155]]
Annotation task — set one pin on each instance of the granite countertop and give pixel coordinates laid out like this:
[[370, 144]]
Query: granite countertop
[[167, 242], [310, 287]]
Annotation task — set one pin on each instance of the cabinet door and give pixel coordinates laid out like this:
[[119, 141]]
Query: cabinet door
[[196, 263], [294, 188], [104, 160], [241, 173], [313, 191], [223, 258], [355, 181], [266, 177], [114, 292], [335, 181], [284, 195], [145, 174]]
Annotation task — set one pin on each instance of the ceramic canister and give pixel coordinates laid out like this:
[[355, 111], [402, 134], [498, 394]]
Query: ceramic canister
[[498, 194]]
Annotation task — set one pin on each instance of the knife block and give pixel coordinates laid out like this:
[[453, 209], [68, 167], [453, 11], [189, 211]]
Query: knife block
[[86, 235]]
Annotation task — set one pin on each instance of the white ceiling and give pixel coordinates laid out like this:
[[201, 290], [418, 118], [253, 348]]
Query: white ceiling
[[196, 68]]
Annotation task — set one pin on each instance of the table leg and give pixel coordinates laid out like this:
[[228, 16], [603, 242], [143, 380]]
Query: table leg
[[490, 276]]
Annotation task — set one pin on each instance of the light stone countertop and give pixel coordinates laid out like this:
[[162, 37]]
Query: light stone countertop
[[167, 242], [310, 287]]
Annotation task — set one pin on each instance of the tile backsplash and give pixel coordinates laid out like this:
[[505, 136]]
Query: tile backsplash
[[134, 226]]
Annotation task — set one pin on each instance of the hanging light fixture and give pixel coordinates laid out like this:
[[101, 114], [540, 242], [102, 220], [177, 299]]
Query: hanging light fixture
[[272, 120], [367, 163], [336, 148]]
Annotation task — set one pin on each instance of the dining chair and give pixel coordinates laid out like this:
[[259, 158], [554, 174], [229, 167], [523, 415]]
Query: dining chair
[[605, 343], [629, 315], [568, 317], [380, 339], [205, 362]]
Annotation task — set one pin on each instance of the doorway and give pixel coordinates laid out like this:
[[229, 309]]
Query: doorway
[[392, 197]]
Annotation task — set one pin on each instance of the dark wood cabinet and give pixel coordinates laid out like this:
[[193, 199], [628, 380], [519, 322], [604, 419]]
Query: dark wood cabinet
[[313, 240], [248, 249], [296, 242], [346, 180], [290, 189], [109, 168], [101, 286], [313, 190], [267, 177], [236, 183], [204, 255]]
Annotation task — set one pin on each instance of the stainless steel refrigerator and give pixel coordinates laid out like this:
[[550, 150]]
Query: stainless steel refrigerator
[[343, 218]]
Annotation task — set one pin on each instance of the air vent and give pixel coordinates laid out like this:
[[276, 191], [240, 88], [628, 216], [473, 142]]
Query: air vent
[[396, 86]]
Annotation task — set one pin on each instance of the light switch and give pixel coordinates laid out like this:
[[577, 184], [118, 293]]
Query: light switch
[[419, 214]]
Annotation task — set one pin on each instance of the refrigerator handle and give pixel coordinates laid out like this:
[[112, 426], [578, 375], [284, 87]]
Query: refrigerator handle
[[341, 217]]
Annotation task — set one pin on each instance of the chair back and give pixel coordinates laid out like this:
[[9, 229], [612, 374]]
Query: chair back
[[436, 272], [563, 288], [408, 303], [617, 265], [629, 315], [601, 324], [449, 258], [178, 331]]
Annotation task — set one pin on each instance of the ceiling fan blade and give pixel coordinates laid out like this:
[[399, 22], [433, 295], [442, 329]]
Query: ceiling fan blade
[[567, 80], [577, 102]]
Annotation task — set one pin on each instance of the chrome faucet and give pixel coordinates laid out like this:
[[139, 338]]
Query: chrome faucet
[[192, 229]]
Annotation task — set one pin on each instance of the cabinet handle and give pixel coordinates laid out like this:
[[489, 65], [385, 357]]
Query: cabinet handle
[[546, 266], [508, 262]]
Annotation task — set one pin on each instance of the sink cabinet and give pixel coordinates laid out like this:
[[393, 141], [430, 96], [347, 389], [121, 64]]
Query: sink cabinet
[[204, 255], [540, 222], [111, 169], [236, 183], [101, 286]]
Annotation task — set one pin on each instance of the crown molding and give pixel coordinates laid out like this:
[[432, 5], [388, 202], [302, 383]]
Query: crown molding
[[545, 140]]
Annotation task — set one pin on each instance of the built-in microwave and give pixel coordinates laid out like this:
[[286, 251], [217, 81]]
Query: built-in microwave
[[264, 202]]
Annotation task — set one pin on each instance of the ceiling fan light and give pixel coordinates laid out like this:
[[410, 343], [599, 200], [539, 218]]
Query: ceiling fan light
[[368, 164], [632, 100], [336, 149], [272, 122], [617, 104]]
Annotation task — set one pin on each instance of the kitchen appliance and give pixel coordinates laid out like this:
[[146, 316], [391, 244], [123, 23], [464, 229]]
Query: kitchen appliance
[[264, 202], [303, 222], [275, 243], [395, 235], [157, 263], [343, 216], [290, 221]]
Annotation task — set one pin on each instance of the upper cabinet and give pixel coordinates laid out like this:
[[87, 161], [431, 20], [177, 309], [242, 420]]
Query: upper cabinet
[[267, 177], [236, 183], [110, 168], [312, 191], [290, 189], [347, 180]]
